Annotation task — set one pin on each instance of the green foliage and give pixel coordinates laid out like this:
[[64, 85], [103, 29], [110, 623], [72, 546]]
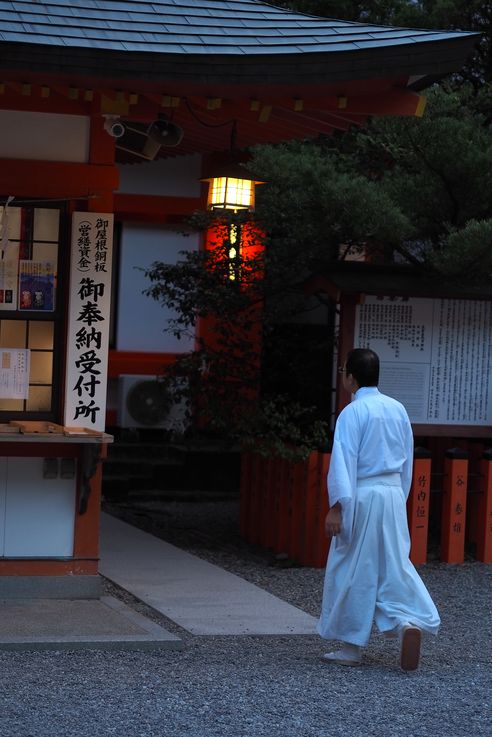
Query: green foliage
[[315, 208], [466, 254], [437, 169], [283, 428]]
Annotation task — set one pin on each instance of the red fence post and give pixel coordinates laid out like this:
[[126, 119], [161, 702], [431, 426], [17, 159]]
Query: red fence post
[[297, 485], [281, 511], [266, 502], [254, 507], [453, 518], [244, 493], [321, 543], [484, 526], [418, 505], [308, 508]]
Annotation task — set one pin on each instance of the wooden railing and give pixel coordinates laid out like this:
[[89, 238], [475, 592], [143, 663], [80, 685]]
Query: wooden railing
[[284, 504]]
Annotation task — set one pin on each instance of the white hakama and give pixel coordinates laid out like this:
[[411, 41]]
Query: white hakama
[[372, 578]]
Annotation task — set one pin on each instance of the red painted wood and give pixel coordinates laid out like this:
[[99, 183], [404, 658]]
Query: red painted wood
[[484, 517], [56, 179], [254, 516], [308, 510], [418, 510], [321, 544], [153, 208], [135, 362], [244, 492], [296, 495], [281, 514], [453, 518]]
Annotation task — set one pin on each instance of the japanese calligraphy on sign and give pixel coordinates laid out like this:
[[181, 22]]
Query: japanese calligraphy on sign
[[14, 373], [88, 330], [435, 355]]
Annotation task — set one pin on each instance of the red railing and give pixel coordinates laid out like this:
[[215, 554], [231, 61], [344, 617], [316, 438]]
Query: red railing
[[284, 504]]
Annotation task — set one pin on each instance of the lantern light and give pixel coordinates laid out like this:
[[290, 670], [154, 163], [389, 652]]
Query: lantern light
[[231, 188]]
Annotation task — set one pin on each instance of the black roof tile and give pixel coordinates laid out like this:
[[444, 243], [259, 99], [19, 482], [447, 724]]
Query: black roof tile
[[192, 26]]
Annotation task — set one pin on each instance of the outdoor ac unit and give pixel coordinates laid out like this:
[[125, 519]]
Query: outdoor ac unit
[[143, 402]]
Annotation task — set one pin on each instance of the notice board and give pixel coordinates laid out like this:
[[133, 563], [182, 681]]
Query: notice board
[[436, 356]]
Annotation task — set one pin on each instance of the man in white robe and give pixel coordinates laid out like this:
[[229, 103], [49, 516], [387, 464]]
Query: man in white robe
[[369, 577]]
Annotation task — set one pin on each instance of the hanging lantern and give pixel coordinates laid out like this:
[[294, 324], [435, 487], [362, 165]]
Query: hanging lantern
[[231, 188]]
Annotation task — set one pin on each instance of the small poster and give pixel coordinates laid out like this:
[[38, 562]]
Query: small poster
[[37, 285], [9, 272], [14, 373]]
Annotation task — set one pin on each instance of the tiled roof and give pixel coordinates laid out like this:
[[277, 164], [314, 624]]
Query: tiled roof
[[196, 27]]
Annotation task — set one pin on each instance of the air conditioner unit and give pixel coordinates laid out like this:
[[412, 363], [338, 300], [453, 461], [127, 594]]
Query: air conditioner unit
[[143, 402]]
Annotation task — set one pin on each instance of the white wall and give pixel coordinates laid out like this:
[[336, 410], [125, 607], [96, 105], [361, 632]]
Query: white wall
[[37, 514], [175, 177], [44, 136], [141, 321]]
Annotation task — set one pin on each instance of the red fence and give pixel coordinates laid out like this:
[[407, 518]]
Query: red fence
[[284, 504]]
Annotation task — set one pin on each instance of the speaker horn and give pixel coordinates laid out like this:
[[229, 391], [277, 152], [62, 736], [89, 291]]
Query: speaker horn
[[162, 133]]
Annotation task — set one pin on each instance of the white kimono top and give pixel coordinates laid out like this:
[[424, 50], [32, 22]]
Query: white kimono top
[[373, 437]]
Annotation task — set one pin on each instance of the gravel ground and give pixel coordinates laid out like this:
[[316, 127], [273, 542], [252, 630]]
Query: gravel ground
[[260, 686]]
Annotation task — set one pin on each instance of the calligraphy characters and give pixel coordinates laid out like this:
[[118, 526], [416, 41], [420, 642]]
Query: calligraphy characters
[[92, 257]]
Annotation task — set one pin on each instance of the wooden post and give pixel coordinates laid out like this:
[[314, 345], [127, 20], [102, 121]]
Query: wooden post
[[308, 512], [244, 494], [281, 503], [265, 504], [484, 531], [321, 543], [254, 513], [296, 495], [453, 518], [418, 505]]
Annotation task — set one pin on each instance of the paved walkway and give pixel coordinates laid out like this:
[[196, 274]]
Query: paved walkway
[[77, 624], [199, 596]]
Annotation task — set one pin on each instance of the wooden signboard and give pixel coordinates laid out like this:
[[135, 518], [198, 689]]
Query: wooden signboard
[[436, 358]]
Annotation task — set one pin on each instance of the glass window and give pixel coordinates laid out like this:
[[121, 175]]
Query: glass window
[[29, 318]]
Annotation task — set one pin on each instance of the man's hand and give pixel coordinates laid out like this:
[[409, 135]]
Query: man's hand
[[333, 521]]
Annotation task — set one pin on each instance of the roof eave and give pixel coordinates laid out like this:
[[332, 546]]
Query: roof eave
[[432, 59]]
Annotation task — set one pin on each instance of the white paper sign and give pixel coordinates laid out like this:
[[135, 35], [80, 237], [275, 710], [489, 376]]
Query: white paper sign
[[88, 325], [436, 356], [9, 271], [14, 373]]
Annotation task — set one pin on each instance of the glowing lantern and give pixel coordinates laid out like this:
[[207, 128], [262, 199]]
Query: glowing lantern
[[232, 188]]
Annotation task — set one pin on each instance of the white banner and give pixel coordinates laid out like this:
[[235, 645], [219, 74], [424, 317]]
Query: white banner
[[436, 356], [88, 324]]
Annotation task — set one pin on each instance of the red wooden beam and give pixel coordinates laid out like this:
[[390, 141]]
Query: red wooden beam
[[155, 208], [134, 362], [48, 179]]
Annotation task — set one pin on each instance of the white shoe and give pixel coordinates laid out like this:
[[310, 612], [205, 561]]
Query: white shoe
[[347, 655]]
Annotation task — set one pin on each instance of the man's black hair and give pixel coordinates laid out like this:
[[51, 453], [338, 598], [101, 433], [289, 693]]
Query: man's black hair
[[363, 364]]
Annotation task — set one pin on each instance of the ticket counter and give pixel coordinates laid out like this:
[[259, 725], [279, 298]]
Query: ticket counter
[[49, 510], [54, 317]]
